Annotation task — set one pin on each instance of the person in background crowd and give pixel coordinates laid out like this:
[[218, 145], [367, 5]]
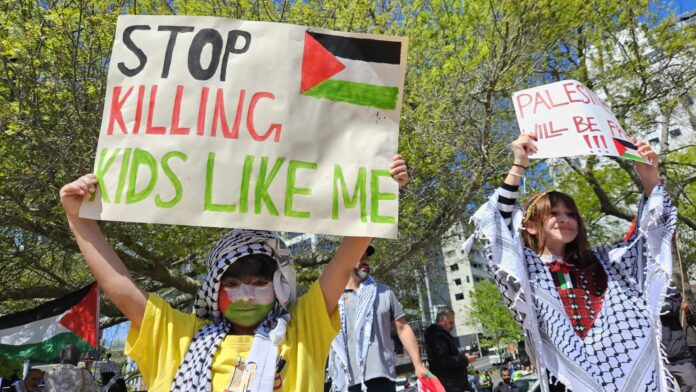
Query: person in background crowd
[[30, 382], [674, 342], [690, 329], [447, 362], [474, 379], [67, 377], [486, 381], [506, 385], [362, 354], [108, 370]]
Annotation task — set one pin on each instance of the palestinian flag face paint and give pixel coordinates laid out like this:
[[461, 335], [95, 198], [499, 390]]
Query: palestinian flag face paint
[[358, 71], [40, 333], [626, 149]]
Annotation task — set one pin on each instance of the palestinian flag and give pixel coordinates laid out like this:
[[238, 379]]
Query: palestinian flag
[[359, 71], [628, 150], [39, 334]]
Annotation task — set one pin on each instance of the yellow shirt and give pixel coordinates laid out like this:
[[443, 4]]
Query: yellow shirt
[[159, 345]]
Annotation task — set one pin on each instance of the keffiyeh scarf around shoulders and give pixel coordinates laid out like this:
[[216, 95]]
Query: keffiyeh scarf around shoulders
[[622, 350], [195, 372], [338, 356]]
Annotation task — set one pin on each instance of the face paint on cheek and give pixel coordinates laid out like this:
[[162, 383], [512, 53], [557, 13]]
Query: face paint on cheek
[[247, 305], [247, 314]]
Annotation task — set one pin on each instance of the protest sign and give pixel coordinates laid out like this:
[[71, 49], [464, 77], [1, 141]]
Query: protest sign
[[568, 119], [219, 122]]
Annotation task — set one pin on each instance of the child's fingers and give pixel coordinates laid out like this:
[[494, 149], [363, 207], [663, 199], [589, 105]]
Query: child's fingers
[[72, 189]]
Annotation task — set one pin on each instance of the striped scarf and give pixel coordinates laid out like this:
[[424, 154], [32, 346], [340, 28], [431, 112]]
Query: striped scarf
[[195, 372], [338, 356]]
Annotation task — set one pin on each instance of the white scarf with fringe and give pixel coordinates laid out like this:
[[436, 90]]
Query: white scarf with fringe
[[338, 356], [622, 351]]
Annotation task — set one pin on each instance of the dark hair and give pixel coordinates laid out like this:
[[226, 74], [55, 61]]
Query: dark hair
[[252, 265], [578, 251], [504, 369], [70, 354], [444, 311]]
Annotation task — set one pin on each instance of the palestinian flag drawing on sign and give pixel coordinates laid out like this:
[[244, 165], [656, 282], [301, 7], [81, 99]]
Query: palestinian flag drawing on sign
[[628, 150], [359, 71], [39, 334]]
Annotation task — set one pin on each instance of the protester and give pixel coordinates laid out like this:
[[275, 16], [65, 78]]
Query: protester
[[674, 342], [109, 369], [67, 377], [362, 354], [690, 330], [486, 381], [506, 385], [447, 362], [30, 382], [593, 314], [248, 331]]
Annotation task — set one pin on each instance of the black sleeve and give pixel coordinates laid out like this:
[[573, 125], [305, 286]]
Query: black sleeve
[[440, 350]]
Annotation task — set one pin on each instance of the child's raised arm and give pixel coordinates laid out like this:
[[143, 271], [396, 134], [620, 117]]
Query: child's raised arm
[[111, 274], [648, 173], [337, 273]]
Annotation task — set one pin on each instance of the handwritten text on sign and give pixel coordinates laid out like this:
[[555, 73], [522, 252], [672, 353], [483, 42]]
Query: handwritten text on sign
[[569, 119], [218, 122]]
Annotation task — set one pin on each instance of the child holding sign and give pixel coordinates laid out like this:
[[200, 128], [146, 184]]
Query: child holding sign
[[248, 332], [592, 315]]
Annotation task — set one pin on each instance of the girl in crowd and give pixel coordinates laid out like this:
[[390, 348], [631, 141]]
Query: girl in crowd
[[247, 332], [591, 316]]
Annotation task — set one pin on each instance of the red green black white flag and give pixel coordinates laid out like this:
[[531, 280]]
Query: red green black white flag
[[628, 150], [359, 71], [39, 334]]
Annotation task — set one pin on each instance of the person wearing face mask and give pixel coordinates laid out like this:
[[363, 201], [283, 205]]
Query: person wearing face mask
[[248, 332], [362, 354], [446, 360], [506, 385], [591, 315]]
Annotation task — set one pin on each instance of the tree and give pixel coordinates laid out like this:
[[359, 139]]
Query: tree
[[488, 309], [465, 60]]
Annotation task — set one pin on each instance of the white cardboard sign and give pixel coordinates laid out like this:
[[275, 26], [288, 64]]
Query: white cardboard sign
[[227, 123], [569, 119]]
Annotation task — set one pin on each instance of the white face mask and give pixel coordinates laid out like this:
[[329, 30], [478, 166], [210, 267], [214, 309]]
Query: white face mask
[[261, 295]]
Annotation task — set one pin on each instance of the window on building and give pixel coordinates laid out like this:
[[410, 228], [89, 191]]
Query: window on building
[[454, 267], [468, 280], [689, 100], [459, 296], [458, 282], [675, 132], [654, 141]]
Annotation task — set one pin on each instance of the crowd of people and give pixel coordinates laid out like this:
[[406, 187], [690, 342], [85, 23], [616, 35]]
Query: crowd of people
[[595, 319], [74, 373]]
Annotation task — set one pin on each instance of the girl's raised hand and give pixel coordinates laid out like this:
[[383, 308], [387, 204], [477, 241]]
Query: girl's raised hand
[[648, 172], [522, 147]]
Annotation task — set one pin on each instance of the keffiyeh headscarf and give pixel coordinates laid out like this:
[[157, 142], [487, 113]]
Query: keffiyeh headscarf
[[195, 372], [338, 356]]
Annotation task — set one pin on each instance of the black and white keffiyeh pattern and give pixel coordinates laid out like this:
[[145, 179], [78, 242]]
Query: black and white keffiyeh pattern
[[621, 352], [195, 371], [338, 356]]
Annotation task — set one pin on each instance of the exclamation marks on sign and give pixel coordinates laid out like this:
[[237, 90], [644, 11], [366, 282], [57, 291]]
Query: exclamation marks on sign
[[597, 144]]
